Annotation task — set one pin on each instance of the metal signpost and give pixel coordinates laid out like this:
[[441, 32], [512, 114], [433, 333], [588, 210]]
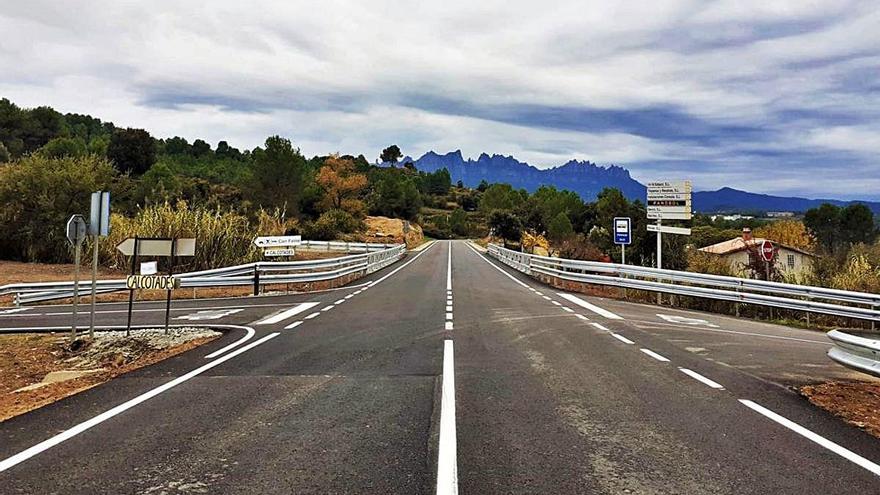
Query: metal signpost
[[622, 235], [76, 234], [99, 226], [668, 201], [168, 248]]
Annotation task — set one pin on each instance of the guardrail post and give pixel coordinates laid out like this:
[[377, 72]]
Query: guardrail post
[[257, 279]]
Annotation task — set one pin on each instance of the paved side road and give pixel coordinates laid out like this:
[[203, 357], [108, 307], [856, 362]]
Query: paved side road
[[447, 373]]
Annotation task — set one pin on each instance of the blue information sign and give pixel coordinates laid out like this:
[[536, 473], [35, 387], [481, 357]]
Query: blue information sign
[[622, 230]]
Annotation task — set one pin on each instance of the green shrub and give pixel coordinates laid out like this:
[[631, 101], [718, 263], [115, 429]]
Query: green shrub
[[330, 225]]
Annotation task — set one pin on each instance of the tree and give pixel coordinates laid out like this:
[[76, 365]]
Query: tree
[[506, 225], [458, 222], [391, 154], [132, 150], [500, 197], [177, 146], [278, 175], [200, 148], [789, 232], [395, 195], [483, 185], [437, 182], [341, 186], [4, 154], [61, 147], [560, 228], [857, 224]]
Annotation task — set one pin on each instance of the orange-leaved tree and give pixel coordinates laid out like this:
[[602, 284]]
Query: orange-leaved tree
[[792, 233], [342, 186]]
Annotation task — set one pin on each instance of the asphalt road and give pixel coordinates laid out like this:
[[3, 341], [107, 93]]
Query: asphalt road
[[352, 391]]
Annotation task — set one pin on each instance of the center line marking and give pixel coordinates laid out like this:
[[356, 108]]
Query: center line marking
[[600, 326], [448, 308], [567, 309], [293, 325], [654, 355], [449, 269], [800, 430], [448, 325], [622, 338], [328, 308], [448, 316], [312, 315], [447, 464], [700, 378], [583, 317], [556, 303], [340, 301]]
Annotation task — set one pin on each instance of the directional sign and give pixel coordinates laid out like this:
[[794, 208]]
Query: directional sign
[[76, 230], [161, 282], [278, 241], [767, 251], [279, 252], [622, 230], [669, 230], [158, 247], [669, 200]]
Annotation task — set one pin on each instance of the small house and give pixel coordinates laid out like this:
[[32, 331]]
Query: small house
[[789, 260]]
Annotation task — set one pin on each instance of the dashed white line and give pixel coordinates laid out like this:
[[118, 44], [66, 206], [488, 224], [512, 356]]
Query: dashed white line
[[541, 294], [448, 316], [567, 309], [592, 307], [448, 308], [293, 325], [556, 303], [76, 430], [349, 296], [622, 338], [447, 464], [700, 378], [327, 308], [824, 442], [283, 315], [582, 317], [600, 326], [654, 355], [316, 313], [547, 298], [340, 301], [448, 325]]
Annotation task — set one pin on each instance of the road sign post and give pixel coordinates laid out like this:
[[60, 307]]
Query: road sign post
[[622, 235], [131, 291], [99, 226], [76, 234]]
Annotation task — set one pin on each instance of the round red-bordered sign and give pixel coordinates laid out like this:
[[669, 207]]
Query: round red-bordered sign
[[767, 250]]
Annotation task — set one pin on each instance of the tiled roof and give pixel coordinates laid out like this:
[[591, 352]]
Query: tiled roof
[[740, 244]]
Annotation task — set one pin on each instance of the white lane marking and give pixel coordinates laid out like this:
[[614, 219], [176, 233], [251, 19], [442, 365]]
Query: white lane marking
[[511, 277], [541, 294], [654, 355], [447, 463], [557, 303], [401, 267], [316, 313], [448, 316], [340, 301], [449, 269], [448, 308], [749, 334], [76, 430], [687, 321], [283, 315], [700, 378], [584, 304], [600, 326], [209, 314], [583, 317], [328, 308], [349, 296], [356, 292], [448, 325], [531, 289], [567, 309], [249, 332], [824, 442], [547, 298], [294, 325], [12, 310], [622, 338]]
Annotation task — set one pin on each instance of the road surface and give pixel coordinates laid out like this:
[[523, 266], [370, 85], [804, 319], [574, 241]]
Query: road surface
[[446, 371]]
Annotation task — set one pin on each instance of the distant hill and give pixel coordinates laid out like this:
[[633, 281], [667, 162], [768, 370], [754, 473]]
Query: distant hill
[[588, 179]]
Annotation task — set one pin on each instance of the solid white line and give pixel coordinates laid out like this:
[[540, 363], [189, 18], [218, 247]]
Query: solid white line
[[583, 317], [340, 301], [294, 325], [76, 430], [328, 308], [557, 303], [511, 277], [447, 464], [249, 332], [7, 312], [283, 315], [800, 430], [401, 267], [654, 355], [316, 313], [700, 378], [448, 308], [448, 325], [622, 338], [584, 304], [449, 268], [567, 309], [599, 326], [448, 316]]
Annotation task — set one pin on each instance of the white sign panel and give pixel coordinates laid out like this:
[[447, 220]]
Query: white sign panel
[[278, 241], [279, 252], [149, 268], [669, 200], [669, 230]]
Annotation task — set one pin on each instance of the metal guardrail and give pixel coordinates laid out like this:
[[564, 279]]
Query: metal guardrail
[[859, 353], [758, 292], [374, 257]]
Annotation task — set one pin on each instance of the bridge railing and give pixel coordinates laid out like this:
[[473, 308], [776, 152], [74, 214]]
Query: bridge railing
[[372, 258], [848, 304]]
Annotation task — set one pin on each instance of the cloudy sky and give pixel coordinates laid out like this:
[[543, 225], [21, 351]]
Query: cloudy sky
[[769, 96]]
